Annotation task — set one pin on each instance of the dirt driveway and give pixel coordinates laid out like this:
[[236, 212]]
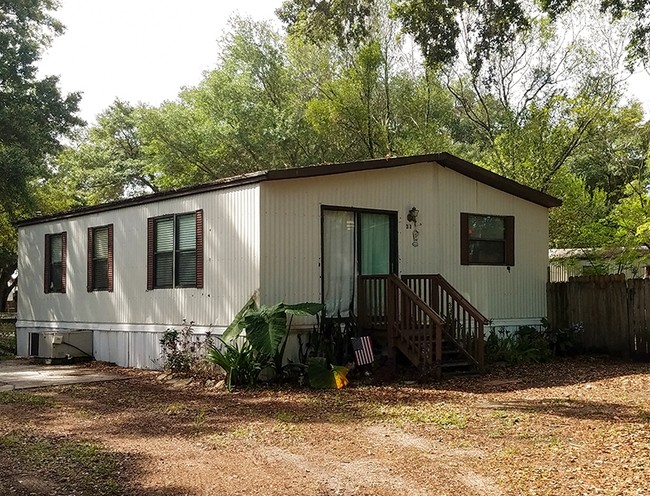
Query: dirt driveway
[[565, 428]]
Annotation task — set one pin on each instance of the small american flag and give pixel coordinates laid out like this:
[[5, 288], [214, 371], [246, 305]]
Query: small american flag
[[363, 350]]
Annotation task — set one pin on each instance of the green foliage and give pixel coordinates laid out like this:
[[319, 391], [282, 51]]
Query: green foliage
[[532, 344], [526, 344], [330, 338], [631, 216], [319, 20], [182, 352], [564, 341], [266, 327], [33, 116], [108, 162], [579, 222], [323, 375], [241, 362], [266, 333], [237, 326], [436, 25], [33, 113]]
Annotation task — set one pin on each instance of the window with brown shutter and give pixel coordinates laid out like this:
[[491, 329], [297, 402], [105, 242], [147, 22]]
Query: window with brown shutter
[[54, 273], [100, 258], [175, 251], [487, 239]]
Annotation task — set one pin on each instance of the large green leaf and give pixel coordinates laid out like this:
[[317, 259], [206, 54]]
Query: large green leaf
[[266, 328], [323, 376], [304, 308], [238, 324]]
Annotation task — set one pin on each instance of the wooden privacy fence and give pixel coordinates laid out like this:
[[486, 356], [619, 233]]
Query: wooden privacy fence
[[614, 312]]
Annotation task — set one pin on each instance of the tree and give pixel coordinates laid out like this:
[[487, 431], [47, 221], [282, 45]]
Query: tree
[[33, 115], [108, 161], [246, 115], [436, 24]]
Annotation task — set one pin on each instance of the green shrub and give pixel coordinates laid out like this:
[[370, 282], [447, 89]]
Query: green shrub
[[526, 344], [532, 344], [265, 340], [183, 352], [565, 341], [242, 363]]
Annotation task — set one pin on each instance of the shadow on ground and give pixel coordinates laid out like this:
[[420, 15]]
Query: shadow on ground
[[45, 464]]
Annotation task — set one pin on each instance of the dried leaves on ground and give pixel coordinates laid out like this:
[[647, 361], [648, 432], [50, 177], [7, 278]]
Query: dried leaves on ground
[[562, 428]]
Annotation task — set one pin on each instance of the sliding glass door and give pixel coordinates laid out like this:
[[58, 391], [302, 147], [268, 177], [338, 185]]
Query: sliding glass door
[[354, 242]]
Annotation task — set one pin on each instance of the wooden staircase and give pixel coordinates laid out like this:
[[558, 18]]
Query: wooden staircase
[[426, 319]]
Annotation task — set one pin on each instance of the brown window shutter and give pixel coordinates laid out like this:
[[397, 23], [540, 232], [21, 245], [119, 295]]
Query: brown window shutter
[[110, 257], [510, 240], [89, 262], [64, 258], [46, 267], [150, 245], [464, 239], [199, 248]]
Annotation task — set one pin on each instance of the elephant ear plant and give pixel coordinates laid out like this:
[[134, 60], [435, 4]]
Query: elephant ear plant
[[265, 340]]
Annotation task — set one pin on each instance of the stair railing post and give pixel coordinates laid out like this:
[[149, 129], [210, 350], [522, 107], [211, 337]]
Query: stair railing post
[[391, 321], [481, 347], [435, 295], [438, 351], [362, 303]]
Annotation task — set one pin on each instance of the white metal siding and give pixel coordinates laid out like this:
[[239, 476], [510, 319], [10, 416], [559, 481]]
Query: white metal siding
[[231, 268], [291, 236]]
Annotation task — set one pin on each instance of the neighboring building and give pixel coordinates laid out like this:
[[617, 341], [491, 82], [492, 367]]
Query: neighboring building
[[574, 262], [12, 297], [130, 269]]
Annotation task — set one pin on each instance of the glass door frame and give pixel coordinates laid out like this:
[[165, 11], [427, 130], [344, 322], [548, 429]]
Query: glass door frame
[[393, 242]]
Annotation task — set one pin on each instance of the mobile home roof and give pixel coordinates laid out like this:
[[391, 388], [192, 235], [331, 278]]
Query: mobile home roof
[[444, 159]]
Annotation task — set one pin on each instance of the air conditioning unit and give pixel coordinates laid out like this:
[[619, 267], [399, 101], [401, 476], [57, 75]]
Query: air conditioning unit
[[62, 344]]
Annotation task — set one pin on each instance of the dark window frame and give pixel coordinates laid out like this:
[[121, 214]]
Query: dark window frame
[[49, 283], [394, 239], [153, 255], [91, 283], [508, 240]]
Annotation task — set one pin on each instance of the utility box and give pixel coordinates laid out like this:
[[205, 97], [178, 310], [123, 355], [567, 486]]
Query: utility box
[[61, 344]]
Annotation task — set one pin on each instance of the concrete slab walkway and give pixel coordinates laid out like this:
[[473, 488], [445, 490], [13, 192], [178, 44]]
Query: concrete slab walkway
[[21, 374]]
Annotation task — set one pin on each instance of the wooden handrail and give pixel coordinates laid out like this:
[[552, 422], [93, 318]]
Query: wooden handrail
[[416, 311], [416, 299], [453, 292], [471, 309], [404, 326], [468, 334]]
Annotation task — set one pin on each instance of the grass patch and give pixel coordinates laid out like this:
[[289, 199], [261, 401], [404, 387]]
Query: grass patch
[[241, 433], [176, 409], [507, 419], [76, 467], [442, 416], [24, 399], [222, 439], [286, 417], [199, 418], [287, 422]]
